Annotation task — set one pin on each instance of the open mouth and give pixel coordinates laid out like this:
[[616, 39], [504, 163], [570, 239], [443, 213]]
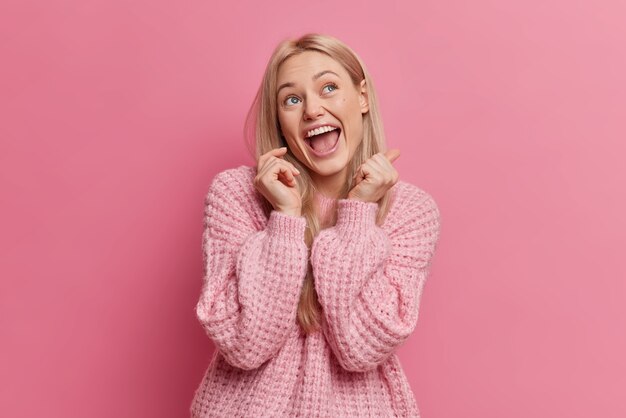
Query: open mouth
[[324, 142]]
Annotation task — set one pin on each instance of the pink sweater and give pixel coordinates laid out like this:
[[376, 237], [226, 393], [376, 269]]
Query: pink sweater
[[369, 281]]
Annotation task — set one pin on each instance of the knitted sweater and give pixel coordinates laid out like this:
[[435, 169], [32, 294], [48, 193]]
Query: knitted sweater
[[369, 280]]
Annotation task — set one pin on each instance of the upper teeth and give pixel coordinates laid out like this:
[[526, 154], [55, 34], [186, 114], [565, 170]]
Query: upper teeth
[[320, 130]]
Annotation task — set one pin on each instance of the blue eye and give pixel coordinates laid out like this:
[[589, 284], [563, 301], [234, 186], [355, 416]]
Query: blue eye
[[334, 87], [291, 100]]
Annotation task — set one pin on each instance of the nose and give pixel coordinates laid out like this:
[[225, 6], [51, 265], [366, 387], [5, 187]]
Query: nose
[[312, 109]]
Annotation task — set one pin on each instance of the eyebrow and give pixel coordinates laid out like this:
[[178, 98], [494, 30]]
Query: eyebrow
[[315, 77]]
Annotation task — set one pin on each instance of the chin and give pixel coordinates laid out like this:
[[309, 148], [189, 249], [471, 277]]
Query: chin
[[331, 166]]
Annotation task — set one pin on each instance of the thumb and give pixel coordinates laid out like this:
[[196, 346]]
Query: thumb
[[392, 154]]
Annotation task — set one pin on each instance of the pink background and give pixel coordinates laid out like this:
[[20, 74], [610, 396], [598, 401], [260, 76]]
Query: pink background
[[115, 116]]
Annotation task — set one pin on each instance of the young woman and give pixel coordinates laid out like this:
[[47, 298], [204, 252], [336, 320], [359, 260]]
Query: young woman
[[316, 258]]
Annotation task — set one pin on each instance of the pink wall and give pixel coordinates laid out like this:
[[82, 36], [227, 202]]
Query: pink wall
[[117, 114]]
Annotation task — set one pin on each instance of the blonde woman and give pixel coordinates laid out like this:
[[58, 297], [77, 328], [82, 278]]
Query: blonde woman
[[316, 258]]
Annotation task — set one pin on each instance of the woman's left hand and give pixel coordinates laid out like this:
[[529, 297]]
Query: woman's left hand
[[375, 176]]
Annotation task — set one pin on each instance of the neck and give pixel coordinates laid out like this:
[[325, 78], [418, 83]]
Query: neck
[[330, 186]]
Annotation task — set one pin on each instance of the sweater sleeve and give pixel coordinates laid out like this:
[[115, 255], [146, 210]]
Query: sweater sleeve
[[369, 279], [253, 275]]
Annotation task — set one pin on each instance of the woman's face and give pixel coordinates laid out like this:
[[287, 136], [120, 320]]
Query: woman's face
[[315, 91]]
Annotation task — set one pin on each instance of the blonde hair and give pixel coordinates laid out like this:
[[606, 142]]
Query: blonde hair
[[262, 130]]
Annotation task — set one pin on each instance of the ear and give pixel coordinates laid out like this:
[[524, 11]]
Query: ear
[[363, 97]]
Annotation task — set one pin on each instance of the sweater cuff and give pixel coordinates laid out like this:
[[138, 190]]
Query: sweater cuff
[[356, 214], [289, 226]]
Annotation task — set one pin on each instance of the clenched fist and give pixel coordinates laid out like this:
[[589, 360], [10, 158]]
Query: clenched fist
[[276, 182], [375, 176]]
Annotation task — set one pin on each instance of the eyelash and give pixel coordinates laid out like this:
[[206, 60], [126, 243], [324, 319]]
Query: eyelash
[[326, 85]]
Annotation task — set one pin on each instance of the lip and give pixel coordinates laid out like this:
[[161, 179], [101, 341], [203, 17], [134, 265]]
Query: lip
[[318, 125], [325, 153]]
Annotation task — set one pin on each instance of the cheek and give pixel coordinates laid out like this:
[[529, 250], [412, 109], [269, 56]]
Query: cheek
[[347, 104], [288, 123]]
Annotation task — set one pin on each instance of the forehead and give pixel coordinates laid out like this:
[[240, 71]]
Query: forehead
[[302, 67]]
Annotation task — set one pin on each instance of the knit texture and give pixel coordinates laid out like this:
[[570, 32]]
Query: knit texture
[[369, 281]]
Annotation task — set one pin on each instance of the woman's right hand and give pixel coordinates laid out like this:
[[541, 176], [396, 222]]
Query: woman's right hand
[[276, 182]]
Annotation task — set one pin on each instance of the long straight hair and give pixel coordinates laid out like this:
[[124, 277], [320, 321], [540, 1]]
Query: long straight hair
[[263, 133]]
